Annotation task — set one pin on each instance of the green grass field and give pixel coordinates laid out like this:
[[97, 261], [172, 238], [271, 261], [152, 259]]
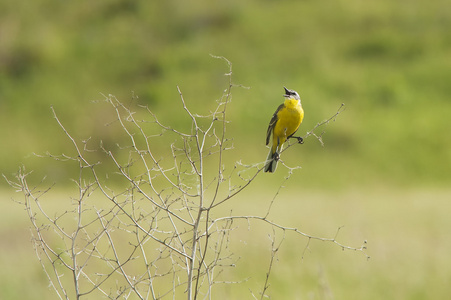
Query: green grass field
[[383, 174], [407, 234]]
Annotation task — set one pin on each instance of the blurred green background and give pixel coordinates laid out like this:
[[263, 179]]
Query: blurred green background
[[386, 155]]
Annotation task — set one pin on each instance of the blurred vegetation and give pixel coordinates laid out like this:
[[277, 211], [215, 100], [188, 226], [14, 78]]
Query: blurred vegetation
[[388, 61]]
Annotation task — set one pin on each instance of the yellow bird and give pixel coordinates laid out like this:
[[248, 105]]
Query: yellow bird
[[284, 123]]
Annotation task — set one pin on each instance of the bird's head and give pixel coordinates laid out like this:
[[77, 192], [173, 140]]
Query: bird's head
[[291, 94]]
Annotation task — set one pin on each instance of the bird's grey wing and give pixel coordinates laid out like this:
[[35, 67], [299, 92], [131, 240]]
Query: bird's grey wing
[[272, 123]]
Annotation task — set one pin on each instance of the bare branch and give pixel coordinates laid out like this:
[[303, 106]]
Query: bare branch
[[158, 231]]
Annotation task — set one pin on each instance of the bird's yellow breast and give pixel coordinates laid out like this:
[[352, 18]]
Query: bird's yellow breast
[[289, 119]]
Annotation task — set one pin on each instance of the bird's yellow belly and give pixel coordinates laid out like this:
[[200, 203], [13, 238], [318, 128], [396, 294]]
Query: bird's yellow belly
[[289, 120], [287, 125]]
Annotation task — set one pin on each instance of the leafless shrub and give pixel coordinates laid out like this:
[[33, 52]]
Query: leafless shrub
[[155, 233]]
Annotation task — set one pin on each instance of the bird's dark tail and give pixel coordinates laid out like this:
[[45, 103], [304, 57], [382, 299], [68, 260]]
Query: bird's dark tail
[[271, 161]]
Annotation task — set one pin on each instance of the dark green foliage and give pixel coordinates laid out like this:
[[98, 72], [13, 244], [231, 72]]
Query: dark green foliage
[[387, 61]]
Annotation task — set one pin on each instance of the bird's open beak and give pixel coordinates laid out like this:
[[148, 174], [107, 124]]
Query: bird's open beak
[[287, 92]]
